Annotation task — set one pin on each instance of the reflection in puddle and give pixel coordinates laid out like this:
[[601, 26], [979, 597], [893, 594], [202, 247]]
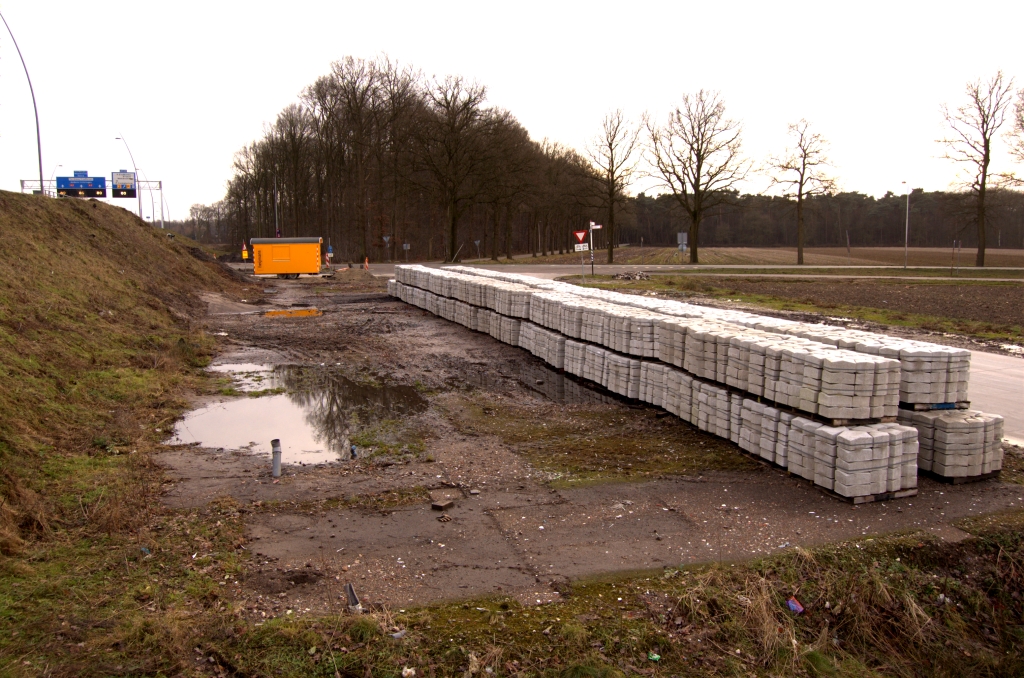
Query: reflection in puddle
[[313, 419]]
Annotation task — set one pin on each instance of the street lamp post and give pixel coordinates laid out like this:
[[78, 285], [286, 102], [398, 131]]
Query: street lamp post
[[51, 179], [906, 231], [138, 193], [35, 109]]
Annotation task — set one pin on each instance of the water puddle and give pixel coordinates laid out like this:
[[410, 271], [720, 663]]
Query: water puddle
[[314, 419]]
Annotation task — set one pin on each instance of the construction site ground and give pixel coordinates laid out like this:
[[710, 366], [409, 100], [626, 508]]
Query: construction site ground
[[551, 480]]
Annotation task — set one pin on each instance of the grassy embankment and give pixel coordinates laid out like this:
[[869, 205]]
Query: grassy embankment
[[98, 353], [96, 579], [925, 305]]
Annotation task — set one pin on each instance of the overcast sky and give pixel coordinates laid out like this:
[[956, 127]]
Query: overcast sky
[[189, 83]]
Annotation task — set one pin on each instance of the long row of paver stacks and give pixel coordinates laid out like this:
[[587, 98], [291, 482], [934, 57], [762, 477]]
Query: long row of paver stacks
[[738, 375]]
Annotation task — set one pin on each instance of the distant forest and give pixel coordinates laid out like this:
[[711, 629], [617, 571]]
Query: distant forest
[[375, 150]]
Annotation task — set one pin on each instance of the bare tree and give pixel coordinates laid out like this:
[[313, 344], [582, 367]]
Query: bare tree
[[1016, 135], [697, 157], [614, 153], [973, 126], [800, 170], [452, 148]]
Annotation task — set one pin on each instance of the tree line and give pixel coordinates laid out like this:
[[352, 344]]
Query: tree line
[[388, 164]]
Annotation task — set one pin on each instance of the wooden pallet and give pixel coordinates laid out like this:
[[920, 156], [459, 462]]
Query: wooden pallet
[[928, 407], [867, 499], [789, 409], [961, 480], [855, 422]]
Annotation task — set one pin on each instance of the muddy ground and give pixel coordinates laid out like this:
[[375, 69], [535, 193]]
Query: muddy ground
[[551, 480]]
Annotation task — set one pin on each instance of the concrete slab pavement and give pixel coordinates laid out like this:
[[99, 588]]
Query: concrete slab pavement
[[997, 386]]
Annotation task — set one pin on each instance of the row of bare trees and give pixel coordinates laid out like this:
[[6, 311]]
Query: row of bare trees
[[378, 158]]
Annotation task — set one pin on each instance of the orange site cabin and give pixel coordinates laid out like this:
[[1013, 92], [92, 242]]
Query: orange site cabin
[[286, 257]]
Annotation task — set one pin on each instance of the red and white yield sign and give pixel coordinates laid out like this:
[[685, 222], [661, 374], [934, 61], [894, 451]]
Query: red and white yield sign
[[581, 236]]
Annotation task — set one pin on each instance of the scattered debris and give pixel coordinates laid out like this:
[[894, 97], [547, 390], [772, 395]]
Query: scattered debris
[[634, 275], [653, 656], [794, 605], [444, 518], [353, 600], [442, 504]]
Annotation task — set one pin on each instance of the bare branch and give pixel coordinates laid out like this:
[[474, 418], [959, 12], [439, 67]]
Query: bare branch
[[973, 125], [696, 156], [614, 153]]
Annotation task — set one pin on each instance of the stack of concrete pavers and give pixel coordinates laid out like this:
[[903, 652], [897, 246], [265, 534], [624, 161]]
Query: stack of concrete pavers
[[798, 371], [652, 383], [802, 447], [957, 444], [621, 375], [575, 353], [861, 462], [547, 345], [930, 373]]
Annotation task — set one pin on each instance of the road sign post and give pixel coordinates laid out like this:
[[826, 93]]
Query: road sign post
[[593, 227], [581, 246], [387, 239]]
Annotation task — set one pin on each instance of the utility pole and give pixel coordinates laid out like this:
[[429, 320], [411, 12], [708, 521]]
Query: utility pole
[[906, 231], [277, 226], [35, 109], [593, 227]]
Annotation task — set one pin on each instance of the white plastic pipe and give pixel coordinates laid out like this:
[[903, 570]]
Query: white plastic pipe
[[275, 444]]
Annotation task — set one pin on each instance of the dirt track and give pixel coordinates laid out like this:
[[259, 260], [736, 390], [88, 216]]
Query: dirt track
[[524, 522]]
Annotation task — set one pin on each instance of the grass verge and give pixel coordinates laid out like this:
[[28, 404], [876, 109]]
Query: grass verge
[[904, 605]]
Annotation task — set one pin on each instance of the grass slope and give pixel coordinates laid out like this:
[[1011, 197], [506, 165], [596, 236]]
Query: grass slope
[[94, 333]]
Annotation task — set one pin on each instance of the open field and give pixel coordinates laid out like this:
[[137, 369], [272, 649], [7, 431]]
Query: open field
[[857, 272], [813, 256], [587, 535]]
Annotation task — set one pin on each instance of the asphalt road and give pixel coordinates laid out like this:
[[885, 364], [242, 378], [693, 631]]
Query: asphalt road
[[997, 386], [552, 271]]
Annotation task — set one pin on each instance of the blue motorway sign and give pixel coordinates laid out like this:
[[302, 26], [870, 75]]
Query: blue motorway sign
[[81, 174], [82, 187], [81, 182]]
